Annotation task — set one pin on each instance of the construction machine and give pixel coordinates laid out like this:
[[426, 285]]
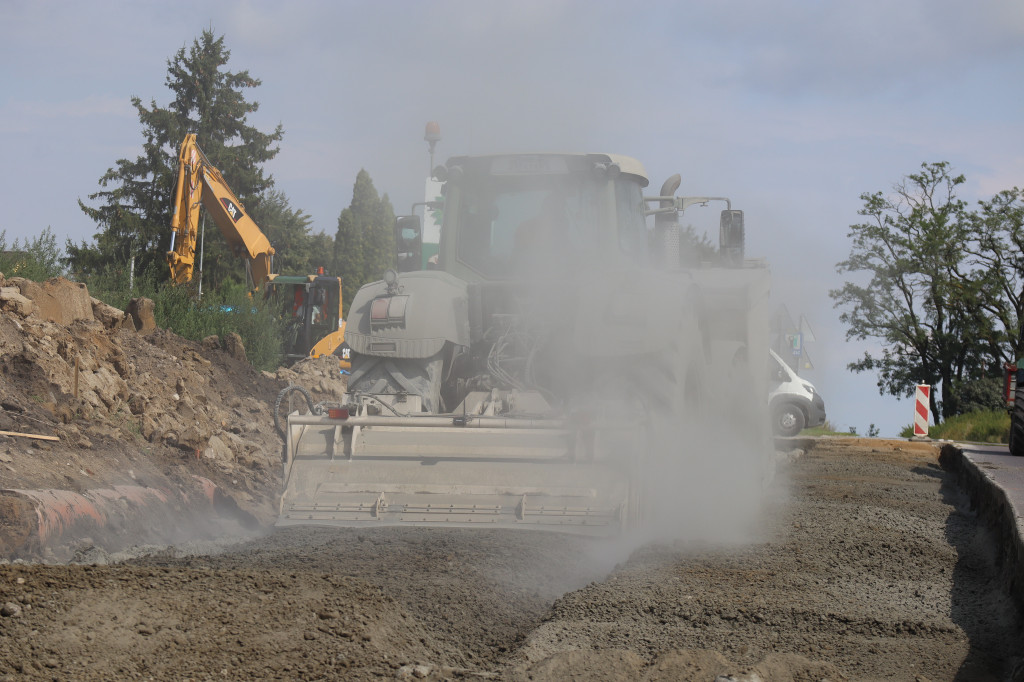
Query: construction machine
[[550, 371], [310, 305], [199, 181], [1013, 391]]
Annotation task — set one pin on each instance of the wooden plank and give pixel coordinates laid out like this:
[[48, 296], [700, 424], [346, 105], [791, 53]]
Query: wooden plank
[[28, 435]]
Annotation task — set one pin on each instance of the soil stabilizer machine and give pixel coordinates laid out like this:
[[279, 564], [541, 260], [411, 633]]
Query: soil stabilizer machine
[[551, 371]]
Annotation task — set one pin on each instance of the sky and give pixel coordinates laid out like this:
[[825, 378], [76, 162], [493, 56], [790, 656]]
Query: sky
[[792, 108]]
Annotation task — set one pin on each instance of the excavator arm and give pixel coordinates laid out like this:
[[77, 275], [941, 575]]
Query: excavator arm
[[200, 182]]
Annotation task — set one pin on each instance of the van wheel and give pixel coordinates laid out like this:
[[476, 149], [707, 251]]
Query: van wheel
[[787, 420]]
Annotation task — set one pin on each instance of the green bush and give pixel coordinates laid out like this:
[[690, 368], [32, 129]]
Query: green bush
[[111, 285], [37, 259], [220, 313], [980, 426]]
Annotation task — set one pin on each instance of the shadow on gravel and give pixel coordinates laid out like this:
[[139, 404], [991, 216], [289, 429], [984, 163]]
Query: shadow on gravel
[[980, 606], [932, 471]]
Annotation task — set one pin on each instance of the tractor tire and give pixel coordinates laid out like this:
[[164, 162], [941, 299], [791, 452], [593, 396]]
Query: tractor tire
[[374, 375], [1017, 423], [787, 420]]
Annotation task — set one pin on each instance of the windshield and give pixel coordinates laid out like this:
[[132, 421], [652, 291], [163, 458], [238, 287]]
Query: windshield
[[511, 222], [629, 202]]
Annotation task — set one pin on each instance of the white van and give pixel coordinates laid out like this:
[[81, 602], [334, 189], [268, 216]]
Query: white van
[[793, 403]]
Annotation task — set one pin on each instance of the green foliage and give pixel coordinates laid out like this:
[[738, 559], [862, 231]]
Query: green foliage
[[298, 251], [221, 312], [937, 297], [695, 247], [135, 204], [37, 259], [981, 394], [997, 262], [110, 284], [364, 245], [979, 426]]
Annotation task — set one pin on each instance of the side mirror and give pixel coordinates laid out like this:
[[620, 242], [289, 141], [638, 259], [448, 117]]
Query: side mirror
[[409, 243], [731, 238]]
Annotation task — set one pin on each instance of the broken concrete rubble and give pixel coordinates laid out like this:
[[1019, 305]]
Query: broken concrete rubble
[[141, 312], [151, 403], [12, 300]]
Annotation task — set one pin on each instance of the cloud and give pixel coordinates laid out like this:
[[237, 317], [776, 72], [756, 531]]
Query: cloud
[[23, 116], [797, 49]]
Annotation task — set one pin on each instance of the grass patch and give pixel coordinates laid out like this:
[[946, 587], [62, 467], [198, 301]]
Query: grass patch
[[219, 312], [824, 430], [827, 429], [983, 426]]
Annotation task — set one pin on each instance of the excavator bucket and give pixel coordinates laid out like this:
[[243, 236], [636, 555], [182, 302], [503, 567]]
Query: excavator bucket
[[453, 470]]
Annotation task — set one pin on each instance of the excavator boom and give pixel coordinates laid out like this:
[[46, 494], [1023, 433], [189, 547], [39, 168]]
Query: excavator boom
[[185, 223], [200, 182]]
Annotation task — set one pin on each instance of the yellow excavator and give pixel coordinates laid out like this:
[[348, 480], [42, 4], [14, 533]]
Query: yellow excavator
[[309, 304], [199, 181]]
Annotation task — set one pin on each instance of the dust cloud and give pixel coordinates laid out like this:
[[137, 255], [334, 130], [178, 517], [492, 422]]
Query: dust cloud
[[664, 351]]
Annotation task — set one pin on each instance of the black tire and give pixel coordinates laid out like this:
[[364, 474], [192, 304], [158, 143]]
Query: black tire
[[292, 398], [1017, 424], [416, 376], [788, 420]]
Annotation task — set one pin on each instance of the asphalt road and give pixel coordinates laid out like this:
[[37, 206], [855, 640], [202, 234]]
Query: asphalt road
[[1002, 468]]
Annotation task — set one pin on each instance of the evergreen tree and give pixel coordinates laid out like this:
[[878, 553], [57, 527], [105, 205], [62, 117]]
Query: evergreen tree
[[134, 213], [298, 252], [365, 243]]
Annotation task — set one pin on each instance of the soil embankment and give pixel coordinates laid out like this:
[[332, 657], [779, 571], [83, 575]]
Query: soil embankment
[[115, 432]]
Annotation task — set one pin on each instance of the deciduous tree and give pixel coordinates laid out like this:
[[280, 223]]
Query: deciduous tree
[[920, 301]]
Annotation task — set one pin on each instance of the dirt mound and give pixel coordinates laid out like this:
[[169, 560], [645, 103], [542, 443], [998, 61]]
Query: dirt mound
[[90, 400]]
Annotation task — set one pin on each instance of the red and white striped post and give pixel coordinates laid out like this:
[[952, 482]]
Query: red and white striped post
[[921, 411]]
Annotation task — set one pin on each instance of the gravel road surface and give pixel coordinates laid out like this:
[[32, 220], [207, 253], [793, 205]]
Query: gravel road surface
[[869, 565]]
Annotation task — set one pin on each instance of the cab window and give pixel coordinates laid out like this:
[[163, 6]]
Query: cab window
[[629, 202]]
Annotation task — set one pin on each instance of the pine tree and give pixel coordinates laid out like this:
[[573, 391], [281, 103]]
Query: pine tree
[[299, 252], [135, 209], [364, 245]]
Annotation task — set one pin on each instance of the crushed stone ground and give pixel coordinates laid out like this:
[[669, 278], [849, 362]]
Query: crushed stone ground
[[872, 567]]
